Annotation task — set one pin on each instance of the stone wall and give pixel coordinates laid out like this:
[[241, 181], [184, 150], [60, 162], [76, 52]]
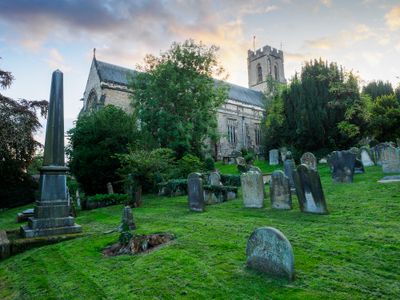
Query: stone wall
[[117, 96]]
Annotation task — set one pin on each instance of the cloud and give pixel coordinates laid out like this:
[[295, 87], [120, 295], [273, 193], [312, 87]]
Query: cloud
[[372, 58], [327, 3], [321, 43], [393, 18], [57, 61]]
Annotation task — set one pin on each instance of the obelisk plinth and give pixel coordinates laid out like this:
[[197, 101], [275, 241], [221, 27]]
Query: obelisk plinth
[[52, 212]]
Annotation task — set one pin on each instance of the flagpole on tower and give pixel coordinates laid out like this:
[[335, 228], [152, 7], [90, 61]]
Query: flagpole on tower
[[254, 43]]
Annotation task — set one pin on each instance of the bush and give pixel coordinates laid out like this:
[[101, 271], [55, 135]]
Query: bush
[[230, 180], [209, 164], [103, 200], [173, 186], [188, 164]]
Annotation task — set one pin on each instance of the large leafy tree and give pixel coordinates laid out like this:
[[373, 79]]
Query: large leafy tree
[[385, 118], [94, 143], [306, 116], [378, 88], [18, 124], [176, 97]]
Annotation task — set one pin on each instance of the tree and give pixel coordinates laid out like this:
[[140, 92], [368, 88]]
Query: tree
[[307, 114], [385, 118], [94, 142], [18, 124], [145, 169], [176, 98], [378, 88]]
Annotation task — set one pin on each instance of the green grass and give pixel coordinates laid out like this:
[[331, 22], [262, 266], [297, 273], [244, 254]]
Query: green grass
[[352, 253]]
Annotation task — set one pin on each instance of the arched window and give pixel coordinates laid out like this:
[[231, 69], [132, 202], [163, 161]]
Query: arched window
[[259, 73], [276, 73], [92, 101]]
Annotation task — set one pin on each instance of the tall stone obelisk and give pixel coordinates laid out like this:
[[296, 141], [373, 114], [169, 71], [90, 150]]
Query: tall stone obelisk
[[51, 215]]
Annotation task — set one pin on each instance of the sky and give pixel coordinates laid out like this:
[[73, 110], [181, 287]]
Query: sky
[[39, 36]]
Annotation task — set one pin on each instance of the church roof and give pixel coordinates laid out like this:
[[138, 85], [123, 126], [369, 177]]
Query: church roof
[[119, 75]]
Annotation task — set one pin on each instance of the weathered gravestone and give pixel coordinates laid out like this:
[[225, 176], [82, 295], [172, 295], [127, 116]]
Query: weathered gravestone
[[309, 190], [5, 245], [25, 215], [110, 189], [378, 152], [342, 165], [195, 192], [283, 151], [366, 158], [52, 213], [127, 219], [390, 179], [214, 178], [255, 169], [252, 189], [279, 191], [289, 166], [309, 159], [273, 157], [390, 158], [270, 252]]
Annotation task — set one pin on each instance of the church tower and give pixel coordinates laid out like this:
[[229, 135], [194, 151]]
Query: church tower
[[264, 62]]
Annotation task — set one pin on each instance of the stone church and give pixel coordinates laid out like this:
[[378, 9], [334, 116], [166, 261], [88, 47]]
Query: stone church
[[239, 118]]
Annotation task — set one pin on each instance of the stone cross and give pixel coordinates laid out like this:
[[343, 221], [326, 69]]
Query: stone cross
[[342, 165], [309, 190], [273, 157], [280, 194], [52, 213], [270, 252], [127, 218], [252, 189], [195, 192], [309, 159]]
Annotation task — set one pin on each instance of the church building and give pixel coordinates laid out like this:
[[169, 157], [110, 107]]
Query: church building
[[239, 118]]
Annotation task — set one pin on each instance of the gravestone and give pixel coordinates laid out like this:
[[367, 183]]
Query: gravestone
[[390, 158], [110, 189], [255, 169], [127, 218], [5, 245], [309, 159], [309, 190], [25, 215], [283, 151], [51, 213], [390, 179], [289, 166], [252, 189], [273, 157], [366, 158], [379, 152], [342, 165], [270, 252], [214, 178], [279, 191], [240, 160], [195, 192]]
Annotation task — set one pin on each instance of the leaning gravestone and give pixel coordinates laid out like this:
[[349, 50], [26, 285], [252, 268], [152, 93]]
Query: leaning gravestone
[[255, 169], [110, 189], [127, 218], [52, 213], [252, 189], [195, 192], [342, 164], [270, 252], [390, 158], [309, 159], [280, 191], [309, 190], [214, 178], [366, 158], [273, 157], [289, 166]]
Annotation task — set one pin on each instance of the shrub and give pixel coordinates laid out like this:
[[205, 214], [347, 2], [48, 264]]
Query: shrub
[[173, 186], [209, 164], [103, 200], [188, 164], [230, 180]]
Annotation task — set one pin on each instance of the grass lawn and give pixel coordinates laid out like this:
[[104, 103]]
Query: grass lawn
[[352, 253]]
